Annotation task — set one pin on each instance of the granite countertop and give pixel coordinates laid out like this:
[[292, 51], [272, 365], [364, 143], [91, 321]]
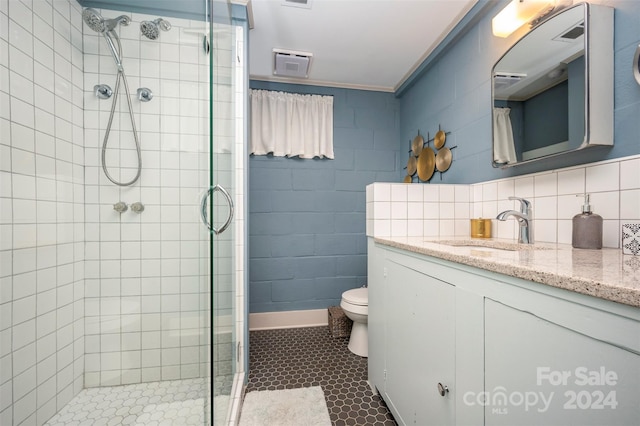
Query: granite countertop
[[606, 273]]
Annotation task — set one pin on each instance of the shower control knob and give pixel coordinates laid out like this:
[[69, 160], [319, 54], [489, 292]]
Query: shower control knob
[[442, 389], [144, 94], [120, 207], [137, 207], [102, 91]]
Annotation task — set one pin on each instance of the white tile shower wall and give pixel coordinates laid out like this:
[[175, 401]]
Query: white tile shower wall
[[556, 196], [145, 273], [41, 209]]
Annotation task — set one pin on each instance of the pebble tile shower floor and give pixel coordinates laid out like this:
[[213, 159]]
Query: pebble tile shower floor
[[303, 357]]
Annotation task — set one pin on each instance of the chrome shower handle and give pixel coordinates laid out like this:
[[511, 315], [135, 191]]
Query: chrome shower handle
[[231, 210], [102, 91], [120, 207], [203, 209], [144, 94]]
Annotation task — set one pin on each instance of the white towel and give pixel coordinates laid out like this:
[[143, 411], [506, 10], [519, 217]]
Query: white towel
[[504, 151]]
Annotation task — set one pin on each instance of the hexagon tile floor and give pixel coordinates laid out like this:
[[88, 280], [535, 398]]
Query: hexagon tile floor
[[302, 357], [170, 403]]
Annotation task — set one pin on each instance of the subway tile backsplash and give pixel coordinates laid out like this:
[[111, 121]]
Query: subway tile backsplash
[[438, 211]]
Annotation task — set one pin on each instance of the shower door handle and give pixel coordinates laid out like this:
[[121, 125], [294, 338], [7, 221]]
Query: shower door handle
[[203, 209], [231, 210]]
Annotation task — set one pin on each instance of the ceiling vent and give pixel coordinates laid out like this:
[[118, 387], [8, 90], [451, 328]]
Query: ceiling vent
[[502, 81], [572, 34], [289, 63]]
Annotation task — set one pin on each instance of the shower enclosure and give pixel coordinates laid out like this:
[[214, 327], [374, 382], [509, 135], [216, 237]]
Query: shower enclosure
[[121, 160]]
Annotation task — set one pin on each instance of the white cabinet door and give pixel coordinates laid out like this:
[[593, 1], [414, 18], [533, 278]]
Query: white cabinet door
[[376, 326], [539, 372], [420, 346]]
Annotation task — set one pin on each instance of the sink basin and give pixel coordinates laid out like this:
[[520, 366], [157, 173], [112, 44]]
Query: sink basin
[[488, 245]]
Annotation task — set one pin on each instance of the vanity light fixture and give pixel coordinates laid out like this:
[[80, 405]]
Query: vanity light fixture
[[517, 13]]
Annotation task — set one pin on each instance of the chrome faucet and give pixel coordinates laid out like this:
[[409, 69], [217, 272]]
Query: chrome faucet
[[524, 218]]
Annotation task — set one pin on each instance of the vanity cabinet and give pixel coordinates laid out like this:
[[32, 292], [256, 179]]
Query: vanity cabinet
[[540, 368], [509, 351], [420, 348]]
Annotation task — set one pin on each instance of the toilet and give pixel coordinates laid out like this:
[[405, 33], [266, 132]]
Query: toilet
[[355, 304]]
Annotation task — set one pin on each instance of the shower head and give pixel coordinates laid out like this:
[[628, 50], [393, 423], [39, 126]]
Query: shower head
[[93, 20], [97, 23], [151, 29]]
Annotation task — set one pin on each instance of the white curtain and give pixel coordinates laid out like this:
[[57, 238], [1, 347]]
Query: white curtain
[[504, 151], [290, 124]]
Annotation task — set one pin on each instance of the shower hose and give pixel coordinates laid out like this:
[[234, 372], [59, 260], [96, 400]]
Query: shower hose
[[121, 77]]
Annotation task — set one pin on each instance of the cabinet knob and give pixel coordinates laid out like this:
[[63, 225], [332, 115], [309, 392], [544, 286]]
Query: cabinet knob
[[442, 389]]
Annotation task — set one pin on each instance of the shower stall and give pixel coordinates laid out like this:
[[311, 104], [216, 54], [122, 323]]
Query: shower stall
[[122, 231]]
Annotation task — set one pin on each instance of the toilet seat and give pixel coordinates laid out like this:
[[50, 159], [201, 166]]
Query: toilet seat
[[357, 296]]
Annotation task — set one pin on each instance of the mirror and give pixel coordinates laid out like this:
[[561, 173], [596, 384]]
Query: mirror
[[552, 91]]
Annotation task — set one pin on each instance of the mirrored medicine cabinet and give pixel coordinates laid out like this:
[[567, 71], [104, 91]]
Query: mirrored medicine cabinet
[[552, 91]]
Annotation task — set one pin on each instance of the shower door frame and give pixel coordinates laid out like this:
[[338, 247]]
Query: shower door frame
[[214, 202]]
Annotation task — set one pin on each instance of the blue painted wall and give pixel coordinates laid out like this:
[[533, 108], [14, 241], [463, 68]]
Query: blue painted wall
[[307, 239], [307, 218], [455, 92], [546, 117]]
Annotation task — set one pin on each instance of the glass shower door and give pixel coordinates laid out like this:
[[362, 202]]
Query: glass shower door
[[220, 207]]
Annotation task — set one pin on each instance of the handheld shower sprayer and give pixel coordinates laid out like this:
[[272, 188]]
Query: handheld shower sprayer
[[97, 23], [106, 27], [151, 29]]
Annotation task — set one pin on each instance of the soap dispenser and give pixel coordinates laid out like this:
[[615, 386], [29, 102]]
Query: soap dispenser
[[587, 228]]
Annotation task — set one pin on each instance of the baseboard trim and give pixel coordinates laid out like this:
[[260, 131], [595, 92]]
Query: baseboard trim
[[288, 319]]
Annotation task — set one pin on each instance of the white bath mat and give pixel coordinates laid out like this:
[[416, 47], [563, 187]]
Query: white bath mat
[[287, 407]]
